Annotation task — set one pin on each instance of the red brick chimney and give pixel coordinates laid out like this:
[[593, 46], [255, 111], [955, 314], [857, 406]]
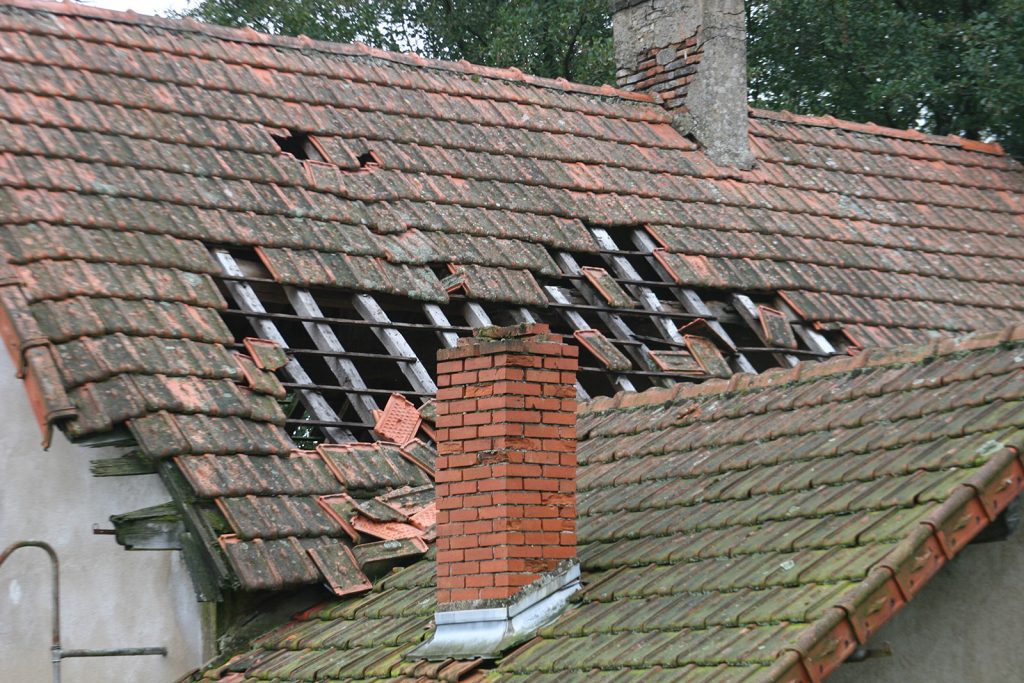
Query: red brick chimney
[[506, 465]]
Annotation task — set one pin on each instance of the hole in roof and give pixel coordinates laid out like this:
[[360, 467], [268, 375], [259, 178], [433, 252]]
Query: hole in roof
[[295, 143], [368, 159], [345, 365], [652, 332]]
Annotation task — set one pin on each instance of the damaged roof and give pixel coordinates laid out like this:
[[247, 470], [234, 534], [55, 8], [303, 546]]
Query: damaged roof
[[756, 529], [232, 251], [156, 174], [163, 133]]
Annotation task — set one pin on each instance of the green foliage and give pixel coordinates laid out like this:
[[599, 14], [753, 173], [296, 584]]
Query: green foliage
[[564, 38], [943, 66], [337, 20]]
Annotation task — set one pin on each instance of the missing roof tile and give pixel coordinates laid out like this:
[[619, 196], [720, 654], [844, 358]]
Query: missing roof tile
[[299, 144], [348, 360], [368, 159], [293, 142], [343, 370]]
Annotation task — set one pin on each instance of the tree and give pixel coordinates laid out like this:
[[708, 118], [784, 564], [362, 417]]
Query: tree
[[942, 66], [336, 20], [557, 38]]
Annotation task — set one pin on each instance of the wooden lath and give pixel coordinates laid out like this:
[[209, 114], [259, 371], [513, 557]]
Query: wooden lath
[[613, 321], [325, 339], [748, 311], [314, 401], [689, 299], [394, 342], [644, 295], [577, 323]]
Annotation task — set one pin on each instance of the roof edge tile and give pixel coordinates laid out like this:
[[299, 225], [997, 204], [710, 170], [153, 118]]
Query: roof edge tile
[[900, 575], [993, 148]]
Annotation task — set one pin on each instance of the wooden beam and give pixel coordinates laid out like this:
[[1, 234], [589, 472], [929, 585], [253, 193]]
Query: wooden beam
[[354, 322], [690, 300], [814, 340], [395, 343], [523, 315], [126, 465], [204, 583], [577, 322], [206, 562], [647, 298], [158, 527], [476, 316], [616, 325], [247, 300], [436, 316], [324, 338]]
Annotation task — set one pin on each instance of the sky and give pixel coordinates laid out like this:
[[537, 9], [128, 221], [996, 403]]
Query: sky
[[140, 6]]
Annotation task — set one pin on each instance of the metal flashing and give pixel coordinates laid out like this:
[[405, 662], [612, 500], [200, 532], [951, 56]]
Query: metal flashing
[[489, 628]]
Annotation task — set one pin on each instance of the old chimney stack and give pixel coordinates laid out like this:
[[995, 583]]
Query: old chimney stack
[[693, 54], [506, 488]]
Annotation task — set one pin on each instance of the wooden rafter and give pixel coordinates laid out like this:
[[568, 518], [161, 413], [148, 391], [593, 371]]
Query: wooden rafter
[[248, 301], [690, 300], [614, 322], [645, 295], [395, 343], [325, 339], [577, 322]]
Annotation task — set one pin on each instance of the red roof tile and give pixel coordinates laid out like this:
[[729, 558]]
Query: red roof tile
[[400, 420]]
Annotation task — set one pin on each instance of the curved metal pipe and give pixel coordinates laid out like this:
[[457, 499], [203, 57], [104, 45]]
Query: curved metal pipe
[[55, 651]]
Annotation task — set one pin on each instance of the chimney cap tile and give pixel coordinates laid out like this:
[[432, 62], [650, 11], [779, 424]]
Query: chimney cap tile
[[508, 331]]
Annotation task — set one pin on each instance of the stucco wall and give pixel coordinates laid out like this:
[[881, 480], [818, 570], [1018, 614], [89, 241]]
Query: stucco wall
[[110, 597], [967, 624]]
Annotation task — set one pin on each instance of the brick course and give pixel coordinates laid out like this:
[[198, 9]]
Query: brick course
[[667, 70], [506, 466]]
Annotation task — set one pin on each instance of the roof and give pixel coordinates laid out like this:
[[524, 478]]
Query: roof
[[170, 190], [756, 529], [163, 129]]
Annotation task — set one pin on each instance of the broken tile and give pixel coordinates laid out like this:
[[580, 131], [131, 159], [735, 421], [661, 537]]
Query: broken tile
[[421, 455], [606, 285], [399, 421], [342, 508], [700, 327], [372, 467], [385, 530], [775, 328], [267, 354], [708, 356], [378, 558], [340, 569], [409, 500], [681, 362], [603, 349], [260, 381]]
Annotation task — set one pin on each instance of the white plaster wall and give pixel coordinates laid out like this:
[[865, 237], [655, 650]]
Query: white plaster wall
[[965, 626], [110, 597]]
